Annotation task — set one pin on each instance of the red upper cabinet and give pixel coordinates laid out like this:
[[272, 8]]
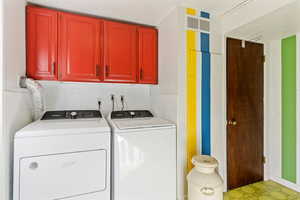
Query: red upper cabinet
[[41, 39], [147, 55], [80, 48], [120, 62], [71, 47]]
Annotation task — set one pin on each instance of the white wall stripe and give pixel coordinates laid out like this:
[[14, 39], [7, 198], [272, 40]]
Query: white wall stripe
[[198, 45], [199, 109], [274, 102], [217, 135]]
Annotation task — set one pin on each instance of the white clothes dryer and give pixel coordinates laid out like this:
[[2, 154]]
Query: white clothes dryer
[[65, 155]]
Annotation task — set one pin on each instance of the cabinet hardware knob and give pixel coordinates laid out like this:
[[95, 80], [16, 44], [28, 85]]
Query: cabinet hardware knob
[[141, 73], [53, 68], [97, 70], [106, 70]]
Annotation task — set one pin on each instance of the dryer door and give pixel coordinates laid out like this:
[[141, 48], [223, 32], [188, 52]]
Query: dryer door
[[63, 176]]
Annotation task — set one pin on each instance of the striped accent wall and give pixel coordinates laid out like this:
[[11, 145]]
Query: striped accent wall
[[289, 109], [198, 84]]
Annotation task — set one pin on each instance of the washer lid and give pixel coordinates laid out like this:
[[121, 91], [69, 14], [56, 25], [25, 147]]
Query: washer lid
[[63, 127], [138, 123]]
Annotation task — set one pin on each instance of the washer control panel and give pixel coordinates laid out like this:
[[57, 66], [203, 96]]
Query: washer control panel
[[131, 114]]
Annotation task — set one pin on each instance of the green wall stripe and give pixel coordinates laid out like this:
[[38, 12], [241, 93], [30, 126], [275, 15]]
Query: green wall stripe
[[288, 52]]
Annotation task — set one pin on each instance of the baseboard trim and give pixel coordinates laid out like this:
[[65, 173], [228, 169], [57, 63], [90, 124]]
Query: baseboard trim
[[184, 197], [286, 183]]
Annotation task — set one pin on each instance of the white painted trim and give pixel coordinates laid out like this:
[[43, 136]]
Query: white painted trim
[[2, 159], [198, 30], [181, 105], [224, 100], [265, 100], [198, 17], [297, 108], [285, 183], [198, 45], [158, 23], [199, 104], [236, 7]]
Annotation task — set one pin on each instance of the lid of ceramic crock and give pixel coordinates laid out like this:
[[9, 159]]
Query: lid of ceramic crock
[[205, 161]]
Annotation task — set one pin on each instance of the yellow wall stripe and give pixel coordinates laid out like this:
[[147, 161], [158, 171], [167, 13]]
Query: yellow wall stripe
[[191, 11], [191, 97]]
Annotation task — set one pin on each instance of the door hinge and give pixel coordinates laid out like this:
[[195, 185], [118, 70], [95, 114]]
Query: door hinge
[[264, 160], [243, 44], [264, 59]]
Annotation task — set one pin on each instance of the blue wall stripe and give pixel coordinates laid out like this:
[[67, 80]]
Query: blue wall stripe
[[206, 96], [204, 14], [205, 42]]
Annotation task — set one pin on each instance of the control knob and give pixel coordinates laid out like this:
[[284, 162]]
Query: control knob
[[73, 115]]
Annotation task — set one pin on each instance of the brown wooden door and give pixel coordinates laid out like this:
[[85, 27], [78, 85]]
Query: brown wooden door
[[245, 74]]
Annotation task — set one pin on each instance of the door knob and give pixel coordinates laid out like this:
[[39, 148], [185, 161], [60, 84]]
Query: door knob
[[232, 122]]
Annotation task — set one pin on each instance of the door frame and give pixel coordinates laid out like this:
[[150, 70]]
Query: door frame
[[225, 77]]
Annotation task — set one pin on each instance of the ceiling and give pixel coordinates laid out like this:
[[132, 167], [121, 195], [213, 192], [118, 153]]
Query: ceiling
[[217, 7], [140, 11], [275, 25]]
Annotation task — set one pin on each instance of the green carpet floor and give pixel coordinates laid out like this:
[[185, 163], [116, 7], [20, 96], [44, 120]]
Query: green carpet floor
[[267, 190]]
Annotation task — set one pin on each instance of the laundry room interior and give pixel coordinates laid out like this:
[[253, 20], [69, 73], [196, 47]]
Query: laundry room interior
[[150, 99]]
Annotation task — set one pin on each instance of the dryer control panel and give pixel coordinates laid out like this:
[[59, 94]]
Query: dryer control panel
[[71, 114], [131, 114]]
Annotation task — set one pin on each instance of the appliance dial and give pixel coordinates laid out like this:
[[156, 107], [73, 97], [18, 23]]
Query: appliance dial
[[73, 115]]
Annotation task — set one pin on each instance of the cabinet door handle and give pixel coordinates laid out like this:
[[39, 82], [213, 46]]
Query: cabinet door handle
[[106, 70], [141, 73], [53, 68], [97, 70]]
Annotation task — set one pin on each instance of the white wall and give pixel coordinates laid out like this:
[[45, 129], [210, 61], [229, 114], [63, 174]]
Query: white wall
[[168, 48], [218, 96], [273, 104], [1, 105], [218, 113], [167, 98], [16, 101], [70, 95]]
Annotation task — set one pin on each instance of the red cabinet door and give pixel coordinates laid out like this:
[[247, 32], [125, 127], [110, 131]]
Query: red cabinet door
[[41, 43], [120, 41], [147, 55], [80, 48]]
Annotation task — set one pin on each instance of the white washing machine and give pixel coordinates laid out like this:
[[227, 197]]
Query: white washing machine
[[65, 155], [144, 156]]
